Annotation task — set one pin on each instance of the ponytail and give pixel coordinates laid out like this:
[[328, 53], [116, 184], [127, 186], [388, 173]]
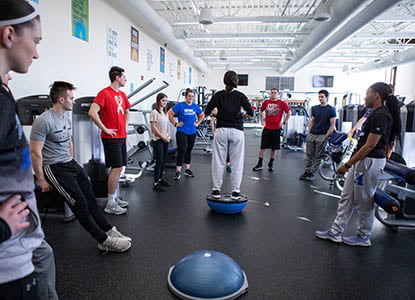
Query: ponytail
[[392, 104]]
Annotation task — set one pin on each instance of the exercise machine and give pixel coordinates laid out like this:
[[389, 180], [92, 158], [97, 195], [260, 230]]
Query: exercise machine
[[395, 197]]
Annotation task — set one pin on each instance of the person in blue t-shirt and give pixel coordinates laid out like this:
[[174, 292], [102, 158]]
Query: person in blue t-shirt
[[323, 120], [189, 116]]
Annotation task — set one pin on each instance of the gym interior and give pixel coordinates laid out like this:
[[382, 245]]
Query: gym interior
[[297, 46]]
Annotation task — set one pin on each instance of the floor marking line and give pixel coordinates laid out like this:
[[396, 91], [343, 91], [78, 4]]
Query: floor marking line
[[327, 194]]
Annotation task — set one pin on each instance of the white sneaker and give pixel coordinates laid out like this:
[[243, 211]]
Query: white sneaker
[[114, 233], [114, 209], [121, 203], [114, 244]]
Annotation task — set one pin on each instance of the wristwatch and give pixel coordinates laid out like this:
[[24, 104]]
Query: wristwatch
[[347, 166], [175, 124]]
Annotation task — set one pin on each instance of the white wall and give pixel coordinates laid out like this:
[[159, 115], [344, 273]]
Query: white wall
[[350, 82], [405, 78], [85, 64]]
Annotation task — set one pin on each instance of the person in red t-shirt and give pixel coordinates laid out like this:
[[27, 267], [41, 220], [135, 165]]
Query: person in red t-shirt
[[109, 112], [270, 138]]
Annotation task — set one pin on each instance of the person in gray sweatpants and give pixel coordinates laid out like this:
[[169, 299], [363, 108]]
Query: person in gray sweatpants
[[323, 120], [229, 135], [380, 130]]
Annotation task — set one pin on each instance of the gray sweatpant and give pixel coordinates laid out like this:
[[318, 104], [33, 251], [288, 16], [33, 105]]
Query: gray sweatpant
[[232, 140], [44, 263], [314, 151], [358, 192]]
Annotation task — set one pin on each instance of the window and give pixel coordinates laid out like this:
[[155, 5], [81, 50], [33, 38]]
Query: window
[[281, 83]]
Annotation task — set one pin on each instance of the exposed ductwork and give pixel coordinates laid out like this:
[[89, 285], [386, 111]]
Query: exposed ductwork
[[347, 18], [400, 58], [146, 12]]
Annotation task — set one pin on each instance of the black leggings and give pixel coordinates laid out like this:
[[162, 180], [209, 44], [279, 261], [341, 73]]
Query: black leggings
[[71, 181], [184, 147], [160, 149]]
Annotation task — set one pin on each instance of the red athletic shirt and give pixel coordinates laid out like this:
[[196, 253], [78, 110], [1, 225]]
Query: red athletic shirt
[[113, 107], [273, 113]]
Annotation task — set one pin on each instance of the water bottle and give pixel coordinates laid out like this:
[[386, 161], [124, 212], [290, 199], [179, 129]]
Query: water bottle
[[349, 150]]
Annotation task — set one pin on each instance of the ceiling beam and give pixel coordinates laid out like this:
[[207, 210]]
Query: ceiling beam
[[245, 35], [384, 35], [247, 20]]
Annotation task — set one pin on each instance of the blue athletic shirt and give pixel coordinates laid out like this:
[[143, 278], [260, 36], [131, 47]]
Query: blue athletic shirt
[[188, 115]]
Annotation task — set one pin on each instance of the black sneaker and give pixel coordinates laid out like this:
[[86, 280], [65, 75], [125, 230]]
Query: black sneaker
[[270, 167], [164, 183], [157, 187], [236, 196], [257, 168], [189, 173], [215, 194], [177, 176], [310, 177], [304, 176]]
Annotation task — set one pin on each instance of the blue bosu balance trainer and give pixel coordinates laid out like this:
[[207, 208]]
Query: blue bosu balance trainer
[[207, 274], [225, 204]]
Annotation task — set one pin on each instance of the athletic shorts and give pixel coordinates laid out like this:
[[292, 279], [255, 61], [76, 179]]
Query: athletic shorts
[[270, 139], [115, 152]]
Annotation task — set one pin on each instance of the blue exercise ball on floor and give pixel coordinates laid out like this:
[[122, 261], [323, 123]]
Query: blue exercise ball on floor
[[207, 274], [225, 205]]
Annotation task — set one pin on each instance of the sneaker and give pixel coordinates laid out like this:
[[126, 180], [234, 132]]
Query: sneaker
[[114, 244], [357, 240], [310, 177], [304, 176], [229, 168], [114, 233], [270, 167], [121, 203], [236, 196], [158, 187], [189, 173], [114, 209], [257, 168], [177, 176], [164, 183], [329, 235], [215, 194]]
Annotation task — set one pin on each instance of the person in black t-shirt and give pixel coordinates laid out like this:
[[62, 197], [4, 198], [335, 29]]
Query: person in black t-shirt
[[364, 167], [229, 135]]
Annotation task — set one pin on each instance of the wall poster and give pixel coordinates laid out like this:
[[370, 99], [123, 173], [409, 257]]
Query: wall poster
[[162, 59], [134, 44], [80, 19]]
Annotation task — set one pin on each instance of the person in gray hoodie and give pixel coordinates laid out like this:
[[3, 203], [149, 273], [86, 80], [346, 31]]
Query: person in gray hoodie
[[27, 267]]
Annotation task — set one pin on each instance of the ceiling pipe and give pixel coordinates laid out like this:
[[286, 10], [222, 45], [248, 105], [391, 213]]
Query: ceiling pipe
[[347, 17], [388, 61], [145, 12]]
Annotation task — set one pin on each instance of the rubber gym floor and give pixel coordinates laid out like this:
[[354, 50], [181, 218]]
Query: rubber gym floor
[[275, 245]]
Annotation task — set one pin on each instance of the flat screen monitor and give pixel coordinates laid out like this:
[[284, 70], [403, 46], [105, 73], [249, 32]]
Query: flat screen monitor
[[322, 81], [243, 79]]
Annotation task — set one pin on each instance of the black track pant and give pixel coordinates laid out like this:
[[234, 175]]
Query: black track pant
[[184, 147], [71, 181], [160, 149], [22, 289]]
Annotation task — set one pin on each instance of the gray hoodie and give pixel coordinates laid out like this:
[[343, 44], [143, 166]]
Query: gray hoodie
[[16, 177]]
